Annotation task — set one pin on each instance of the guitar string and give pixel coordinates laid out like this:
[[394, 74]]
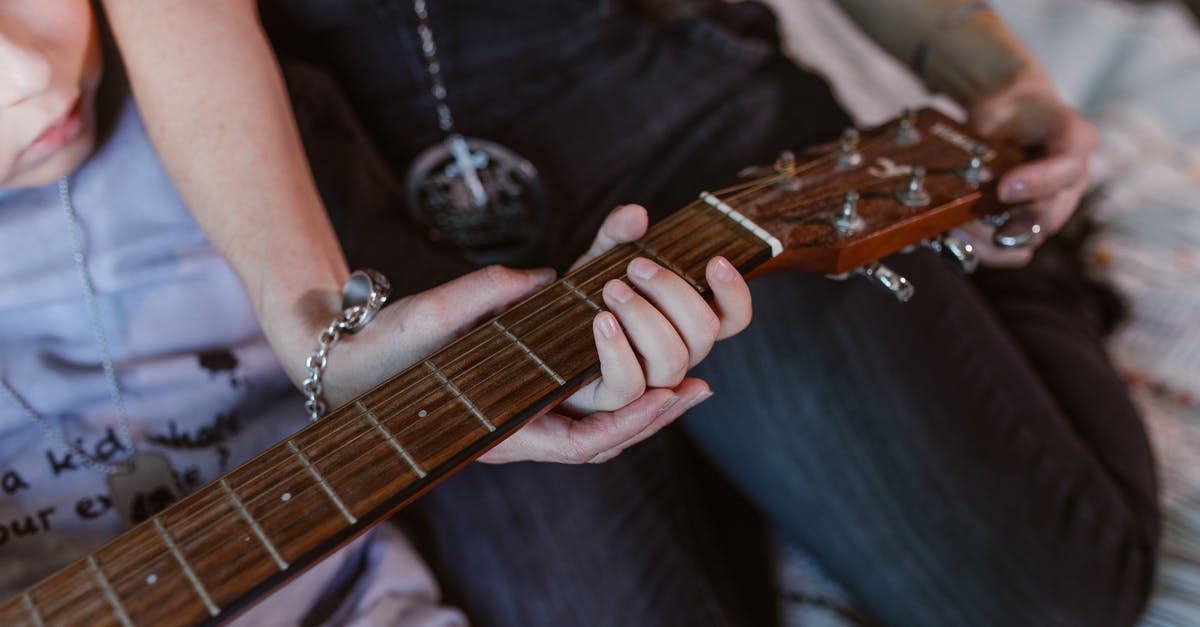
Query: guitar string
[[743, 190], [199, 517], [616, 259], [740, 191], [737, 191]]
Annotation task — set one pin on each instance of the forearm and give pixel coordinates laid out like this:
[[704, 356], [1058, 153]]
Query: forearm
[[214, 103], [968, 54]]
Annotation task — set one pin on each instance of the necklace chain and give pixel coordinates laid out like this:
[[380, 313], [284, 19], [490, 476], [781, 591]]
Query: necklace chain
[[57, 435], [433, 66]]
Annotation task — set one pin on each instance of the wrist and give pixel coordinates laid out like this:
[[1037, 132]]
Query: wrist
[[972, 57]]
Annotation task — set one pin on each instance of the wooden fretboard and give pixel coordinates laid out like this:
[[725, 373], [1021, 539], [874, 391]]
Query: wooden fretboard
[[211, 554]]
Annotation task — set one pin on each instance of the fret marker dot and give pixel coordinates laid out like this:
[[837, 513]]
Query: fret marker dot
[[151, 579], [285, 497], [422, 413]]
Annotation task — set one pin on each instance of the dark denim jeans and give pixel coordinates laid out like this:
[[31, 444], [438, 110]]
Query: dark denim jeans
[[969, 458]]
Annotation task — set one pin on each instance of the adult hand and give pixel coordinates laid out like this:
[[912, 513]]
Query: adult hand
[[1048, 188], [646, 342]]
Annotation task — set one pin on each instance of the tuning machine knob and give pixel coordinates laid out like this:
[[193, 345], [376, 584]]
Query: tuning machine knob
[[848, 154], [914, 194], [847, 221], [906, 133], [882, 276], [890, 280], [975, 172], [1015, 228], [959, 253]]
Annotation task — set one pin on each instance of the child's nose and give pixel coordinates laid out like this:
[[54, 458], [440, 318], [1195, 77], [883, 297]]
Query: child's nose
[[25, 71]]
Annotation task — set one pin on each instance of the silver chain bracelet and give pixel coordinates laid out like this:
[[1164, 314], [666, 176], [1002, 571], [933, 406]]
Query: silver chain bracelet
[[364, 294]]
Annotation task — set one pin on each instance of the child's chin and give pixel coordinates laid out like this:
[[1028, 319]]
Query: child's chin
[[64, 162]]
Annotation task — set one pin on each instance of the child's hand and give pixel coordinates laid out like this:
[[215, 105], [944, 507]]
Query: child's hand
[[647, 341]]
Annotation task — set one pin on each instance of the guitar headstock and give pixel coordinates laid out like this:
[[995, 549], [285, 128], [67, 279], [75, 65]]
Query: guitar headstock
[[873, 193]]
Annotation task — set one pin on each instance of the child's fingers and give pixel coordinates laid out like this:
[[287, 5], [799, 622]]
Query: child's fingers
[[624, 224], [600, 436], [664, 354], [682, 305], [731, 297]]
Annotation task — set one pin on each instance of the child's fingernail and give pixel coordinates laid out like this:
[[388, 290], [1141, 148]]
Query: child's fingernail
[[542, 276], [667, 405], [643, 268], [1014, 192], [724, 270], [700, 398], [619, 291], [608, 324]]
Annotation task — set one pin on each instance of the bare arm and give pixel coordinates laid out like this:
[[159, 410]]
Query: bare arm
[[214, 102], [968, 55], [216, 107], [963, 49]]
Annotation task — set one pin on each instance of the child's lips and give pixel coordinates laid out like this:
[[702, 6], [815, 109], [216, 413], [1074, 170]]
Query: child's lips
[[59, 134]]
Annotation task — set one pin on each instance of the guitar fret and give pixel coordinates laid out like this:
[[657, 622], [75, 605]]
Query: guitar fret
[[584, 297], [321, 481], [33, 611], [187, 569], [109, 594], [650, 252], [412, 463], [262, 537], [529, 352], [458, 394], [733, 214]]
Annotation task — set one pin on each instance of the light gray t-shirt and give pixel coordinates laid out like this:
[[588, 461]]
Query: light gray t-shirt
[[198, 380]]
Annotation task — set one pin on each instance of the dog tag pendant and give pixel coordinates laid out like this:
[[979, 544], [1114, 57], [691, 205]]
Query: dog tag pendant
[[145, 488]]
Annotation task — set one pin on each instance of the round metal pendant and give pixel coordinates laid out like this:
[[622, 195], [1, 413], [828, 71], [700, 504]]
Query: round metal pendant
[[479, 197]]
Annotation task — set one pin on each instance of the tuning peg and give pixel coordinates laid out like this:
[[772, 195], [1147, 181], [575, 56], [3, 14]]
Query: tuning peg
[[1015, 228], [889, 280], [975, 172], [785, 163], [848, 155], [848, 221], [914, 194], [906, 133], [882, 276], [958, 252]]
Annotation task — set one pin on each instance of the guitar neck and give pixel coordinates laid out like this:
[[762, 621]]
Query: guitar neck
[[202, 559]]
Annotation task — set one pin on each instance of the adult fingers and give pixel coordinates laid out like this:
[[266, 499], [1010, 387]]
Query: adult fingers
[[1068, 145], [431, 318]]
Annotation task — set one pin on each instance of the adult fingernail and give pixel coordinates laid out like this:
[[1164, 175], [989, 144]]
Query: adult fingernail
[[724, 270], [619, 291], [542, 277], [1014, 192], [608, 324], [643, 268], [667, 405], [700, 398]]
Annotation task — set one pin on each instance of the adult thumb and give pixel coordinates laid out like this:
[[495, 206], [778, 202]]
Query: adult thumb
[[436, 316]]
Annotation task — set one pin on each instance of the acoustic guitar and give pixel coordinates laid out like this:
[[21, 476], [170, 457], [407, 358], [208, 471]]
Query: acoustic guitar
[[201, 560]]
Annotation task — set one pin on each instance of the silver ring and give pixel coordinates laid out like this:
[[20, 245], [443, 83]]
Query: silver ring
[[363, 296]]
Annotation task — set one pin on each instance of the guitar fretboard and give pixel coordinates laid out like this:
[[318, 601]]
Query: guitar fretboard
[[215, 551]]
